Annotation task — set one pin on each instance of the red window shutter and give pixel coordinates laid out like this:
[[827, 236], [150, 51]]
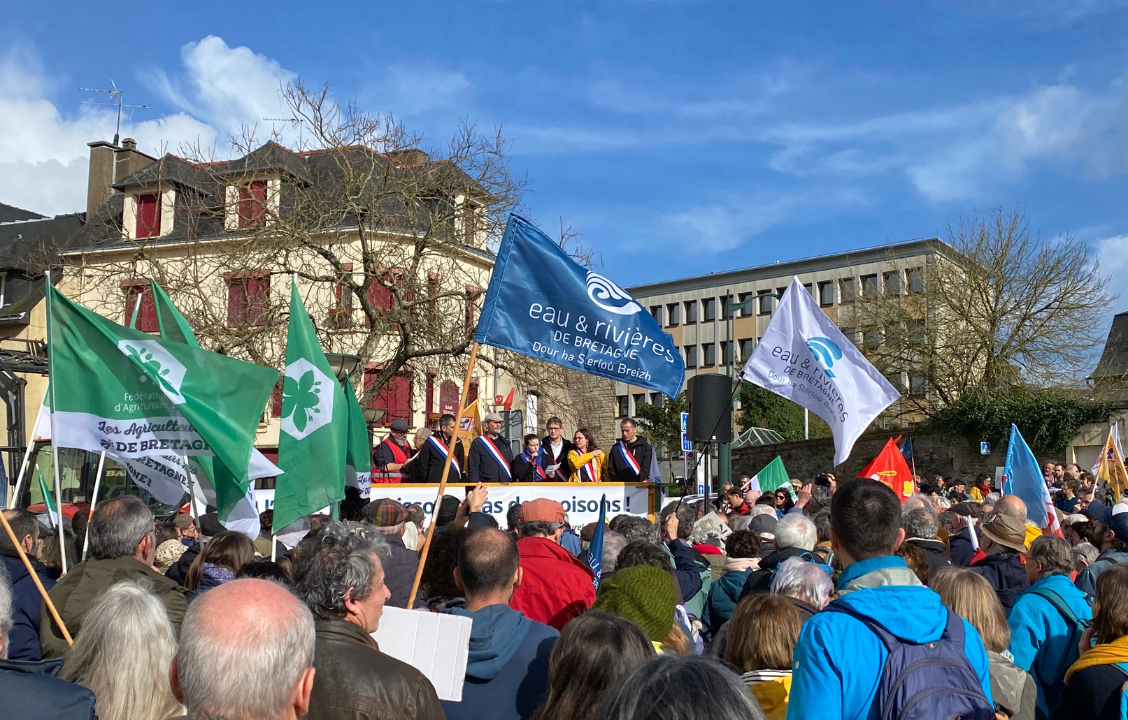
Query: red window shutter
[[147, 318], [236, 302], [394, 398], [430, 394], [448, 398], [148, 216], [257, 300], [472, 394], [379, 296], [252, 200], [276, 401]]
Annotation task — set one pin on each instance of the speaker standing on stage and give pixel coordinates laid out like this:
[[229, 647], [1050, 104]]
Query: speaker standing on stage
[[490, 455], [557, 447], [392, 454], [589, 462], [631, 457], [533, 464], [427, 466]]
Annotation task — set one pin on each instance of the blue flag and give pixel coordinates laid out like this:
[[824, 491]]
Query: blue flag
[[907, 449], [542, 304], [1022, 476], [595, 547]]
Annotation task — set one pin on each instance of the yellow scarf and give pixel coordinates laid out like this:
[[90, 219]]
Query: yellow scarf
[[1105, 654]]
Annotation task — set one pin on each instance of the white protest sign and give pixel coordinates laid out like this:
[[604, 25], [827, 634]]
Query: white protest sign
[[580, 500], [435, 644]]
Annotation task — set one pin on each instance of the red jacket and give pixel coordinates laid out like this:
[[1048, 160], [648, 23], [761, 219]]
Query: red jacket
[[555, 586]]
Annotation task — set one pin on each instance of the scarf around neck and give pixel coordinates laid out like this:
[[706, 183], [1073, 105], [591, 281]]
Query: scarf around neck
[[1104, 654]]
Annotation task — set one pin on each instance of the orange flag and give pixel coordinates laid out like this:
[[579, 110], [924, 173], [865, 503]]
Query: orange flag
[[890, 468]]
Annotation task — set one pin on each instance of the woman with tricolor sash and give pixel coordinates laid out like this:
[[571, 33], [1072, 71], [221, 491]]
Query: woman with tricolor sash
[[589, 461]]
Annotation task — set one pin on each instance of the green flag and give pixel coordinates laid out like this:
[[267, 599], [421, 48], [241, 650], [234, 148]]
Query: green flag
[[314, 431], [771, 477], [358, 457], [48, 500], [136, 396], [235, 504]]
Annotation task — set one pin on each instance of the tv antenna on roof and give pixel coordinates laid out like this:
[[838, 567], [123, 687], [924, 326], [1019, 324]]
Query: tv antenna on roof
[[116, 97]]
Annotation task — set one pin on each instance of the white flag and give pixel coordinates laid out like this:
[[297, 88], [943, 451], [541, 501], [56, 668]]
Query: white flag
[[805, 358]]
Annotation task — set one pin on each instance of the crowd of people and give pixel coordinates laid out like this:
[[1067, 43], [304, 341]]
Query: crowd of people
[[490, 458], [820, 599]]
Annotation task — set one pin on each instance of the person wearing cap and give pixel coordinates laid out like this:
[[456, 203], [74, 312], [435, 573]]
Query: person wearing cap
[[1042, 641], [427, 466], [557, 447], [632, 456], [556, 586], [491, 456], [400, 564], [1112, 542], [392, 454], [1003, 541], [209, 528]]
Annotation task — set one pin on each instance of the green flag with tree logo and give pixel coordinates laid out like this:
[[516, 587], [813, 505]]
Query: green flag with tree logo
[[137, 396], [358, 460], [313, 436]]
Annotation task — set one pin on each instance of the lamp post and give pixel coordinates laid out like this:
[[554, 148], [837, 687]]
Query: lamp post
[[342, 364]]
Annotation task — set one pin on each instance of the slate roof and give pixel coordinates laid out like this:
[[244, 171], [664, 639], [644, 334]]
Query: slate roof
[[269, 157], [26, 248], [1114, 359], [11, 213], [170, 168]]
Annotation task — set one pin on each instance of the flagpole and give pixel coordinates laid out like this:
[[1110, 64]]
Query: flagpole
[[93, 503], [273, 547], [446, 471], [35, 578], [23, 472], [54, 431]]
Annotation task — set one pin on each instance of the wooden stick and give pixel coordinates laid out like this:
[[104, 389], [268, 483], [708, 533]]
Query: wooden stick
[[61, 529], [35, 578], [93, 504], [443, 479], [23, 471]]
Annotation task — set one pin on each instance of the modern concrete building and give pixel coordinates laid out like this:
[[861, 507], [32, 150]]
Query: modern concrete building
[[694, 309]]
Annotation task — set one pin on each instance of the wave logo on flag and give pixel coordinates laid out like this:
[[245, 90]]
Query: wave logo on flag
[[826, 352], [602, 291], [304, 407], [167, 370]]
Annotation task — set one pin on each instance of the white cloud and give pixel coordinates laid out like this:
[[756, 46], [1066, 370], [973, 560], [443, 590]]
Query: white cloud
[[411, 90]]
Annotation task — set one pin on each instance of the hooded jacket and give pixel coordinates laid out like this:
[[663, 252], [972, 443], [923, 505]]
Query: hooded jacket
[[839, 661], [1042, 640], [355, 680], [770, 688], [507, 669], [23, 638], [1087, 579], [724, 594], [556, 586], [1007, 576], [31, 690], [1012, 688], [75, 594]]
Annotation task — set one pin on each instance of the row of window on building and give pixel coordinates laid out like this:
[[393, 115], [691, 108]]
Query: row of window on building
[[831, 292]]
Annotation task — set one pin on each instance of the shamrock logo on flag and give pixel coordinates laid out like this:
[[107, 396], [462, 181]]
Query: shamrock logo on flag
[[305, 407]]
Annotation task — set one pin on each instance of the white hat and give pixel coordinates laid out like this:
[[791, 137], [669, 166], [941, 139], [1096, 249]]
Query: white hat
[[1119, 508]]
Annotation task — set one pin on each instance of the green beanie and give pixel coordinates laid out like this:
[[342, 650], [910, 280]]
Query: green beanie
[[642, 594]]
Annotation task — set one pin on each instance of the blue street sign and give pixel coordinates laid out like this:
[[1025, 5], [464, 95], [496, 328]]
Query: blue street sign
[[984, 448], [687, 446]]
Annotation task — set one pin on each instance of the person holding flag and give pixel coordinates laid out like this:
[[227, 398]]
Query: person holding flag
[[490, 454], [632, 456]]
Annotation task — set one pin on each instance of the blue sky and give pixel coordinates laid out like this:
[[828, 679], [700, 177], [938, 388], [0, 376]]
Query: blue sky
[[680, 137]]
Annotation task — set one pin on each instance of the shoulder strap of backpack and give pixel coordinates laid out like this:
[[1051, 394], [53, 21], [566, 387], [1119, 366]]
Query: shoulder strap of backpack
[[1054, 599], [890, 642]]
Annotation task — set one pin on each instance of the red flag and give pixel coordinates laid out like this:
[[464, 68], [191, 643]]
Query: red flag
[[889, 467]]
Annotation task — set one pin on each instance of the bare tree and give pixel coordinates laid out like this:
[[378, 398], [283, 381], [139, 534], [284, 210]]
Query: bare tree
[[1006, 306]]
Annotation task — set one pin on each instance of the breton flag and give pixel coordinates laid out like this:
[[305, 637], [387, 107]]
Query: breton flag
[[543, 304], [314, 430], [770, 478], [1110, 465], [142, 399], [1022, 476], [890, 468], [805, 358]]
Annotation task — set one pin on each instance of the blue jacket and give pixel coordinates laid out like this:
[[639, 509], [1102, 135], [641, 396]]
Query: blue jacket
[[839, 661], [507, 670], [23, 640], [724, 594], [31, 690], [1041, 639]]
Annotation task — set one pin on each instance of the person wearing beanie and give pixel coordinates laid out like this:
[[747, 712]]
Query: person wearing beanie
[[390, 518], [644, 595]]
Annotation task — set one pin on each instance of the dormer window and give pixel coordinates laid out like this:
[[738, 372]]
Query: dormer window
[[149, 214], [470, 216], [251, 204]]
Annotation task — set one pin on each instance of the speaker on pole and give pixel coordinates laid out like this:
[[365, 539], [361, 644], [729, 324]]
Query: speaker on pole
[[710, 408]]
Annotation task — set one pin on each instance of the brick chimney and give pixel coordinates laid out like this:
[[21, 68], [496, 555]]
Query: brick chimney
[[108, 164]]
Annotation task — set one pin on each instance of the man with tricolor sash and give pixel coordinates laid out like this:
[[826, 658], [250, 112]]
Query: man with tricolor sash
[[631, 457], [427, 466], [491, 456]]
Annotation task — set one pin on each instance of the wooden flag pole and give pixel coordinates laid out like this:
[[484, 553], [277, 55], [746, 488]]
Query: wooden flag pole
[[23, 472], [446, 471], [93, 504], [35, 578]]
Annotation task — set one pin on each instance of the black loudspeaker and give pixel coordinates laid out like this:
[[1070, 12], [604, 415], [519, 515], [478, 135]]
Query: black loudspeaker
[[710, 408]]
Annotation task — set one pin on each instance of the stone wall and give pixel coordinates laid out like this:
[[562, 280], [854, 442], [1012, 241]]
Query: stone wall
[[934, 455]]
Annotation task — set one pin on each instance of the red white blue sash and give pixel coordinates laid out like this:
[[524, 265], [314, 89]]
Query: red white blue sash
[[433, 439], [628, 458], [535, 462], [492, 449], [592, 469]]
